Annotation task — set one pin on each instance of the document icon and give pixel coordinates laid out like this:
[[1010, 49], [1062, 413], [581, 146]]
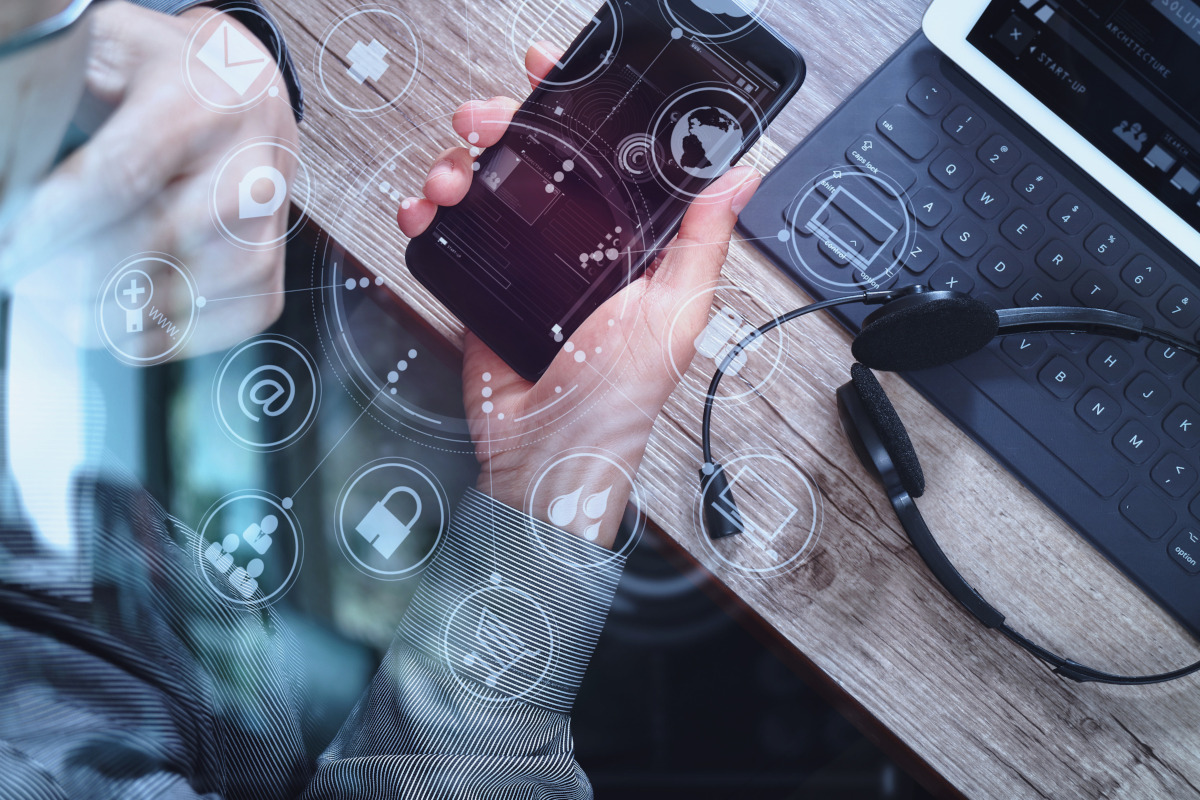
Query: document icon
[[501, 647], [233, 57]]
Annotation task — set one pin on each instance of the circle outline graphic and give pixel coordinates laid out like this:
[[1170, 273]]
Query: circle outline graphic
[[518, 53], [110, 283], [635, 498], [340, 510], [297, 536], [291, 201], [275, 50], [323, 50], [816, 506], [310, 416], [498, 586]]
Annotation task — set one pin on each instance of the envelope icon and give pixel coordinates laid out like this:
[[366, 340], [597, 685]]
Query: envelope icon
[[233, 57]]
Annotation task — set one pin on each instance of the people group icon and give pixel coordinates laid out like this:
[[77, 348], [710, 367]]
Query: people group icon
[[243, 580], [1132, 135]]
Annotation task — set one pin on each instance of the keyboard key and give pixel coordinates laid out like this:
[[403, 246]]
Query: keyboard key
[[1174, 474], [1061, 377], [875, 280], [1000, 268], [963, 124], [1192, 385], [908, 132], [918, 256], [1143, 275], [964, 236], [951, 169], [1057, 259], [1070, 214], [1110, 361], [999, 155], [986, 199], [1167, 358], [1098, 410], [1022, 229], [1034, 184], [1135, 442], [1036, 292], [872, 153], [1183, 425], [950, 276], [1184, 549], [930, 207], [1195, 507], [1134, 310], [1094, 290], [841, 239], [1025, 349], [1107, 244], [868, 211], [1147, 512], [1179, 305], [1075, 342], [1148, 394], [929, 96]]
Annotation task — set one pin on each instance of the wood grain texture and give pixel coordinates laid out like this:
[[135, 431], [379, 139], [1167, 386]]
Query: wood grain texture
[[862, 608]]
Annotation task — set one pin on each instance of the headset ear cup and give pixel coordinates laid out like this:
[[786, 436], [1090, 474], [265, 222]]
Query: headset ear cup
[[879, 422]]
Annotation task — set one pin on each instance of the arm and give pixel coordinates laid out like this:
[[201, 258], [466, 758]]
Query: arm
[[473, 697]]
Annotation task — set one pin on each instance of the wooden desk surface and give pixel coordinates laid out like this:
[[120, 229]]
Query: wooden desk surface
[[862, 609]]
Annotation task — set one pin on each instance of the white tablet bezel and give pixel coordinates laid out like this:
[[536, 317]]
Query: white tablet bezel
[[947, 24]]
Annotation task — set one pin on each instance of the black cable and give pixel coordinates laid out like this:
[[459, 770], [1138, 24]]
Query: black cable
[[867, 298]]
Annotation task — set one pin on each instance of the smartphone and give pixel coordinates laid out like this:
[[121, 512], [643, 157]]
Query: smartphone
[[653, 101]]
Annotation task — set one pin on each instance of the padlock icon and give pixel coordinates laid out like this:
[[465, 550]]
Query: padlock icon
[[383, 529]]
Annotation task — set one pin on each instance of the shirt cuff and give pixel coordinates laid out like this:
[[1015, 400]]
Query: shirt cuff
[[512, 606]]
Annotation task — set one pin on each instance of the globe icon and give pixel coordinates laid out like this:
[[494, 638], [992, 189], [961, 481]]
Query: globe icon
[[705, 141]]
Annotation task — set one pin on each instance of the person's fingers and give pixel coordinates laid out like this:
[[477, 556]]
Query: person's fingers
[[108, 179], [695, 257], [450, 177], [540, 58], [482, 122], [415, 215]]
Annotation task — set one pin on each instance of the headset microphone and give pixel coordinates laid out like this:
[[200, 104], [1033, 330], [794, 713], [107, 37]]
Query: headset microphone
[[917, 328]]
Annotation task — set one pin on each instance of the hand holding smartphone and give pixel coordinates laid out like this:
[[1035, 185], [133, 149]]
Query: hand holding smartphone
[[651, 103]]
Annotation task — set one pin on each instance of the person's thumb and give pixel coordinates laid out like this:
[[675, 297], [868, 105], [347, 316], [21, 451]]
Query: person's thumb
[[695, 257]]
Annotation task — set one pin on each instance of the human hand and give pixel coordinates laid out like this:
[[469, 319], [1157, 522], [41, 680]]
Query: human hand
[[143, 183], [633, 357]]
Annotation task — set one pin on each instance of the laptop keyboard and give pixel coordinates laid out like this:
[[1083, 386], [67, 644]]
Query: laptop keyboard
[[992, 211]]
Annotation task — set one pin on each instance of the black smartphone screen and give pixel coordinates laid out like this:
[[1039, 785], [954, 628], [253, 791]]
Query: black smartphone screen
[[653, 101]]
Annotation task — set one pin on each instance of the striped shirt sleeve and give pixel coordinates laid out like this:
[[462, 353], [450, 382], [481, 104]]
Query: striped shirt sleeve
[[473, 698]]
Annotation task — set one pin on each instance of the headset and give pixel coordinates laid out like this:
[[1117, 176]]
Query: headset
[[918, 328]]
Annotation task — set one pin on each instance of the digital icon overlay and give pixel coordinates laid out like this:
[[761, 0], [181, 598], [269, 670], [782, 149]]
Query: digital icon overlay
[[779, 531], [735, 314], [582, 507], [358, 72], [266, 393], [227, 69], [501, 637], [390, 518], [249, 189], [249, 548], [139, 322], [853, 228]]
